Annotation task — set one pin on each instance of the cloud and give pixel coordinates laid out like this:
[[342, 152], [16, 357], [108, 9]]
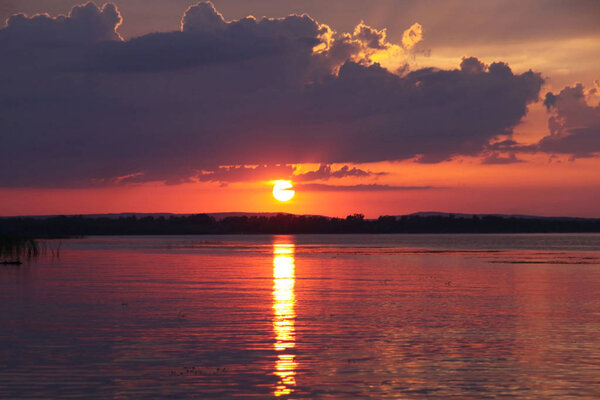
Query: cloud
[[412, 36], [451, 22], [495, 158], [506, 144], [245, 173], [203, 17], [472, 65], [84, 24], [85, 106], [325, 172], [366, 46], [371, 37], [574, 124], [322, 187]]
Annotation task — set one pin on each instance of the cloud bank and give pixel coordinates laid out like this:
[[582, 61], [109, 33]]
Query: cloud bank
[[82, 106]]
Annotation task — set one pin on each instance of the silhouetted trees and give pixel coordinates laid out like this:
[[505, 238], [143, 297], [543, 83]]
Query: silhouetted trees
[[69, 226]]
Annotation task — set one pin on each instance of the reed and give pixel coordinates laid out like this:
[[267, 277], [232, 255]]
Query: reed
[[13, 248]]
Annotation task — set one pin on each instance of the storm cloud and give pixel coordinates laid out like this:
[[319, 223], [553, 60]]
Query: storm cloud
[[80, 105]]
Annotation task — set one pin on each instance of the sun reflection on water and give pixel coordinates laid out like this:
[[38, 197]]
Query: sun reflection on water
[[284, 316]]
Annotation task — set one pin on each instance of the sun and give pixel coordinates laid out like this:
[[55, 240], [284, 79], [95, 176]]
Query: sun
[[282, 190]]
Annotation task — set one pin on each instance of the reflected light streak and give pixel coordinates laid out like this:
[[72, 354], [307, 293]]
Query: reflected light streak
[[283, 317]]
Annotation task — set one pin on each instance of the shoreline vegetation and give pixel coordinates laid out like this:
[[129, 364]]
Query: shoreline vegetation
[[13, 248], [17, 231]]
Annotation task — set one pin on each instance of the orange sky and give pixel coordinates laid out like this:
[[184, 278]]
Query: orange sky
[[537, 187]]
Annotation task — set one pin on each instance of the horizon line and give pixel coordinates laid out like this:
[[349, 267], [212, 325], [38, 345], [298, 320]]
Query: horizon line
[[273, 213]]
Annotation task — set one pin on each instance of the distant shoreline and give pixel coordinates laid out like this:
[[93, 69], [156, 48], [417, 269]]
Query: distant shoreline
[[198, 224]]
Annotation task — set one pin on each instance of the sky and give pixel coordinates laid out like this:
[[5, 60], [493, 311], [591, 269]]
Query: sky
[[379, 107]]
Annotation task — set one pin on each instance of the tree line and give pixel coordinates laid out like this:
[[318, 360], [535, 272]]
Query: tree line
[[72, 226]]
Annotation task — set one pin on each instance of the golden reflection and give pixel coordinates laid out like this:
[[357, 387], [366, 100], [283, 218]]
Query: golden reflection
[[284, 316]]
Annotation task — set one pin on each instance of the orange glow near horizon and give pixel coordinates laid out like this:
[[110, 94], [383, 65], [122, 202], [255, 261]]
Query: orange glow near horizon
[[537, 186], [284, 317]]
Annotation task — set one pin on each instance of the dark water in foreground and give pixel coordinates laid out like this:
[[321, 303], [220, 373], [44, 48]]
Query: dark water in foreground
[[302, 317]]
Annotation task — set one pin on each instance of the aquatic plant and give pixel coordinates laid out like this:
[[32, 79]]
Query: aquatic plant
[[12, 248]]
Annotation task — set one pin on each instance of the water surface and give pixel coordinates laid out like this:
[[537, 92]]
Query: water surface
[[302, 317]]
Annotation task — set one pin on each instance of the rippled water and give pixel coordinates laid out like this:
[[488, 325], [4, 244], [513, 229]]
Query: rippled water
[[303, 317]]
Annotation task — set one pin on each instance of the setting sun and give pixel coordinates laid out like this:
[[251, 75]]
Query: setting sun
[[282, 190]]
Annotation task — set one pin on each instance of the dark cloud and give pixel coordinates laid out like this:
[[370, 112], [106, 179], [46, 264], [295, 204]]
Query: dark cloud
[[84, 24], [472, 65], [203, 17], [574, 124], [323, 187], [90, 107], [433, 114]]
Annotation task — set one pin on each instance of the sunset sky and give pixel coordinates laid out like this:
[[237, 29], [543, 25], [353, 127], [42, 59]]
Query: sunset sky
[[379, 106]]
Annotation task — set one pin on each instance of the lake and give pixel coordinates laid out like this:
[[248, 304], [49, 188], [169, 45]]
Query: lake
[[304, 317]]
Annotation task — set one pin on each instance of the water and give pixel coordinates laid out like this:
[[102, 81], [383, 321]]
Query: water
[[305, 317]]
